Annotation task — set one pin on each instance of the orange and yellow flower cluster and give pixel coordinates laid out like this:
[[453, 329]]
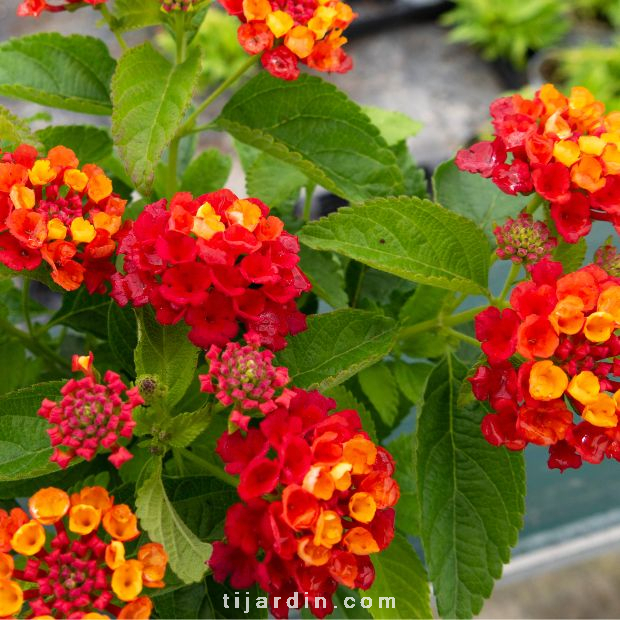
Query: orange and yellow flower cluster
[[53, 211], [564, 327], [287, 32], [70, 570], [566, 149]]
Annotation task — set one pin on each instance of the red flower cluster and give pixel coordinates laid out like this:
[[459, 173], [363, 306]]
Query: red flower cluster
[[563, 148], [317, 501], [52, 211], [245, 377], [91, 416], [75, 574], [34, 8], [564, 327], [215, 261], [290, 31], [523, 240]]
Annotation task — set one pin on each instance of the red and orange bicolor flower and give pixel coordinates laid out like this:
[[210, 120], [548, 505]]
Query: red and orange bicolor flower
[[74, 569], [34, 8], [53, 211]]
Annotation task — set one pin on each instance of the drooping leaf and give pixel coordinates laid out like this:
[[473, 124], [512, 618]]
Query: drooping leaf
[[91, 144], [207, 173], [123, 335], [187, 553], [336, 346], [166, 352], [313, 126], [150, 98], [15, 131], [475, 197], [379, 386], [67, 72], [471, 495], [84, 312], [326, 275], [400, 589], [412, 238]]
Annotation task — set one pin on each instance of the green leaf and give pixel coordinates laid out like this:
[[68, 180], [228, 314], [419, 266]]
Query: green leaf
[[71, 73], [273, 181], [150, 98], [345, 400], [408, 507], [165, 351], [336, 346], [90, 144], [412, 238], [394, 126], [475, 197], [379, 385], [207, 173], [187, 553], [310, 124], [84, 312], [217, 606], [185, 427], [25, 447], [326, 275], [123, 336], [415, 177], [136, 14], [401, 576], [411, 379], [14, 130], [180, 603], [18, 369], [471, 495], [571, 255]]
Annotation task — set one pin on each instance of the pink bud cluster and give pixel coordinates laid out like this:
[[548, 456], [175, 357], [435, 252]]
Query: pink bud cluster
[[91, 416], [176, 5], [245, 377], [608, 258], [523, 240]]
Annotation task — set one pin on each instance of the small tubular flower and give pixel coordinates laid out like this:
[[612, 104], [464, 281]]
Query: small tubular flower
[[70, 569], [290, 32], [34, 8], [217, 262], [564, 148], [313, 525], [565, 394], [52, 212], [91, 416]]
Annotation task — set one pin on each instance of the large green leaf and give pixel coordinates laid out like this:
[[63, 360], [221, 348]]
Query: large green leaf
[[72, 73], [471, 495], [207, 173], [408, 507], [90, 144], [336, 346], [380, 387], [123, 336], [475, 197], [150, 98], [326, 275], [166, 352], [187, 553], [310, 124], [135, 14], [400, 589], [14, 130], [84, 312], [274, 181], [408, 237]]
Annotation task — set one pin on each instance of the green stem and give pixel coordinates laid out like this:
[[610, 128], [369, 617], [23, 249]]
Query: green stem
[[358, 287], [212, 469], [440, 321], [464, 337], [188, 126], [32, 344], [26, 306], [533, 204], [181, 41], [173, 165], [308, 201], [108, 18], [178, 462], [510, 280]]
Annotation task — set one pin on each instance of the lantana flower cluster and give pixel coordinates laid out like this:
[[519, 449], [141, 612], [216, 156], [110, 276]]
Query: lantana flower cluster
[[551, 359], [215, 262], [317, 501], [53, 211], [566, 149], [288, 32], [34, 8], [91, 416], [70, 569], [524, 241]]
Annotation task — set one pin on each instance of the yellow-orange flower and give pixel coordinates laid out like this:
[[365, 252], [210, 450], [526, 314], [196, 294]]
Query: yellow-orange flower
[[11, 598], [361, 453], [127, 580], [362, 507], [360, 541], [121, 523], [49, 505], [154, 561], [547, 381], [84, 519], [584, 387], [29, 538], [140, 609]]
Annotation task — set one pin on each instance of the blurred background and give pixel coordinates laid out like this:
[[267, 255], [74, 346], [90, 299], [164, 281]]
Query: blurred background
[[442, 63]]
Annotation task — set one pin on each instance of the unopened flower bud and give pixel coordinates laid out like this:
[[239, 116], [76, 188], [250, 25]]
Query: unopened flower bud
[[524, 240], [607, 258]]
